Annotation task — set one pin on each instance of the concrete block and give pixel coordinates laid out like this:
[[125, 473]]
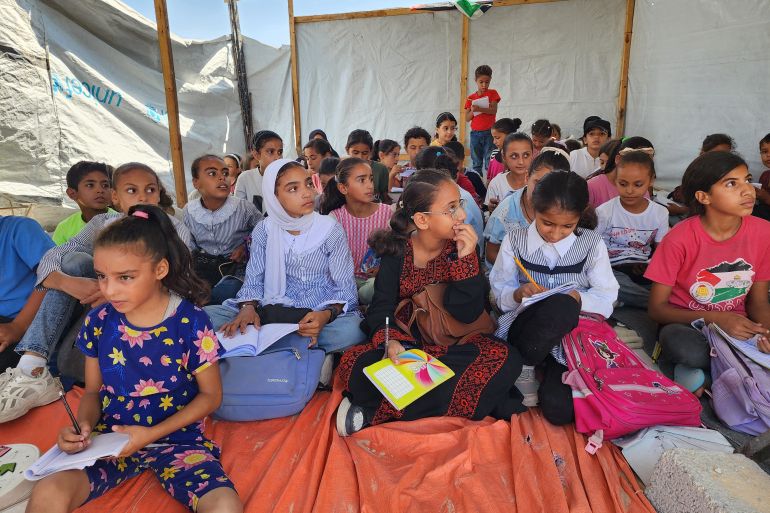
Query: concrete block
[[689, 481]]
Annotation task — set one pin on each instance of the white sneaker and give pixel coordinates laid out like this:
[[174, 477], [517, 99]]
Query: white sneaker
[[8, 375], [327, 371], [528, 385], [22, 393]]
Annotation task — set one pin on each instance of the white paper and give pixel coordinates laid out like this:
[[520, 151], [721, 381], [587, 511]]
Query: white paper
[[482, 102], [531, 300], [747, 347], [56, 460], [254, 341]]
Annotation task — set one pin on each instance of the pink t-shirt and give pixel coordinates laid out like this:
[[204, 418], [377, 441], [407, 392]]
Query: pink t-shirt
[[494, 169], [601, 190], [358, 230], [708, 275]]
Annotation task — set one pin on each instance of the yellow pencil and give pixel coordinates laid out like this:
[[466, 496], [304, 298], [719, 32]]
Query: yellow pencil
[[532, 280]]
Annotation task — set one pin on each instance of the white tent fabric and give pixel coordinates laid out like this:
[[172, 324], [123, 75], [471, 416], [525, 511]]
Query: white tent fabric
[[104, 100], [699, 67], [559, 61], [381, 74]]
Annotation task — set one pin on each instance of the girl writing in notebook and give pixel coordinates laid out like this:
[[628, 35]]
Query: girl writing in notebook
[[714, 265], [553, 251], [428, 243], [151, 373]]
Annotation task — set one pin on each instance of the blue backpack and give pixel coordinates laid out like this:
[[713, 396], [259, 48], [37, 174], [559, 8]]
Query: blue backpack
[[276, 383]]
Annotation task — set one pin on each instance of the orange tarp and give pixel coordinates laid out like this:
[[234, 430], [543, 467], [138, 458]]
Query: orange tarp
[[300, 464]]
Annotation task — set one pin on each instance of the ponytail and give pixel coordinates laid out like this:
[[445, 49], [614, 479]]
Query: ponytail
[[149, 229]]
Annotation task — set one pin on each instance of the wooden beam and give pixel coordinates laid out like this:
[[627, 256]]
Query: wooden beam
[[464, 77], [295, 79], [620, 124], [172, 106], [399, 11]]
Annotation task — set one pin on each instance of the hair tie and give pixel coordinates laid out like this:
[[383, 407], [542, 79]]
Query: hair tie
[[438, 153], [141, 213]]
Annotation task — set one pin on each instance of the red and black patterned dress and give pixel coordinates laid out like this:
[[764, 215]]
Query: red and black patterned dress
[[485, 367]]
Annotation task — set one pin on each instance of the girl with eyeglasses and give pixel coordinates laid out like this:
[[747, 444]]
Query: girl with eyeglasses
[[428, 243]]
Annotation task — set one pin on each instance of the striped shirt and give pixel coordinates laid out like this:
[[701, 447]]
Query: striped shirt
[[221, 231], [83, 242], [313, 279], [358, 229]]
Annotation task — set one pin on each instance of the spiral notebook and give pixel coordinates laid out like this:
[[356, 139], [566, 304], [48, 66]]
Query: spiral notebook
[[416, 374]]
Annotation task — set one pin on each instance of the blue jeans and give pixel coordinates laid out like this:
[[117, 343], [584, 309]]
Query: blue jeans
[[57, 309], [334, 337], [481, 147], [227, 288]]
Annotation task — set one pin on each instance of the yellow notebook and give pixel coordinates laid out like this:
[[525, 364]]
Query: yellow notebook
[[416, 374]]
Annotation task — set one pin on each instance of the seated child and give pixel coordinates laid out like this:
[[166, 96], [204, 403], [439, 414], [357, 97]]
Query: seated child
[[360, 145], [517, 155], [429, 243], [516, 211], [602, 187], [349, 198], [585, 161], [500, 130], [88, 185], [443, 160], [68, 274], [314, 152], [299, 259], [631, 226], [326, 171], [763, 193], [386, 152], [22, 244], [542, 134], [233, 161], [415, 139], [320, 134], [712, 266], [555, 249], [446, 128], [219, 224], [128, 371], [465, 175], [266, 146]]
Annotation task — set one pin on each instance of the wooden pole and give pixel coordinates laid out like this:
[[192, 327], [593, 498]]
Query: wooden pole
[[620, 125], [295, 79], [172, 106], [464, 77]]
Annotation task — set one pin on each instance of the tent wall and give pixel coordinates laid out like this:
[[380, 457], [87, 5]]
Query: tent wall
[[699, 67], [559, 61], [382, 74], [103, 98]]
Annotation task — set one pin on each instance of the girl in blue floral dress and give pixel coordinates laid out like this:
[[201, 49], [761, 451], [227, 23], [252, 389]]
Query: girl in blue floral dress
[[151, 373]]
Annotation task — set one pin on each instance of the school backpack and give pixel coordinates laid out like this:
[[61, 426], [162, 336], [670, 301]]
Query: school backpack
[[276, 383], [740, 390], [614, 392]]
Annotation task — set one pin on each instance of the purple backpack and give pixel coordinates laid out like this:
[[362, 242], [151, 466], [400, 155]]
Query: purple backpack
[[741, 387]]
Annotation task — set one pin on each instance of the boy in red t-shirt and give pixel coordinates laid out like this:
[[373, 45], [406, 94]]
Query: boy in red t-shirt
[[482, 118]]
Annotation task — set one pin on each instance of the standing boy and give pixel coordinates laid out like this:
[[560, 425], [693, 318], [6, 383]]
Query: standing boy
[[482, 118], [585, 161], [88, 185]]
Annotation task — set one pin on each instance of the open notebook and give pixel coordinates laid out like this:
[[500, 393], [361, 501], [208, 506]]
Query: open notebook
[[531, 300], [253, 341], [416, 374], [55, 460]]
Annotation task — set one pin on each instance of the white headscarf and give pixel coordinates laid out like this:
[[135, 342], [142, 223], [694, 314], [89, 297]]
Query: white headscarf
[[314, 225]]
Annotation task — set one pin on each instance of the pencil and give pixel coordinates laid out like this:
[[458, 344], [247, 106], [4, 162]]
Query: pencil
[[532, 280], [69, 412]]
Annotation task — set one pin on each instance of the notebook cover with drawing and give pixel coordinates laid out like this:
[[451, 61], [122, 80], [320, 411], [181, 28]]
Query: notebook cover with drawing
[[416, 374]]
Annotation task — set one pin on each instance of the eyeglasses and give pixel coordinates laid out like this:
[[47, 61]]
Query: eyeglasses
[[453, 212]]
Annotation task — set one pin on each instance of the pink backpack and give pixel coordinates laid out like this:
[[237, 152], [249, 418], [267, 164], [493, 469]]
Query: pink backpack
[[614, 393]]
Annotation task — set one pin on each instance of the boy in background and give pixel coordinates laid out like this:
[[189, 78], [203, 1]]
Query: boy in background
[[88, 185], [481, 118], [596, 132]]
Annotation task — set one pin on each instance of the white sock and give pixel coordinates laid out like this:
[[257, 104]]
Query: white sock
[[32, 365]]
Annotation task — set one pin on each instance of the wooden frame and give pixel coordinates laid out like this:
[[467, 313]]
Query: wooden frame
[[172, 105], [295, 79], [620, 123], [464, 79]]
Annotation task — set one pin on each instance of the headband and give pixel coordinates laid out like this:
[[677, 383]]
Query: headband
[[558, 151]]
